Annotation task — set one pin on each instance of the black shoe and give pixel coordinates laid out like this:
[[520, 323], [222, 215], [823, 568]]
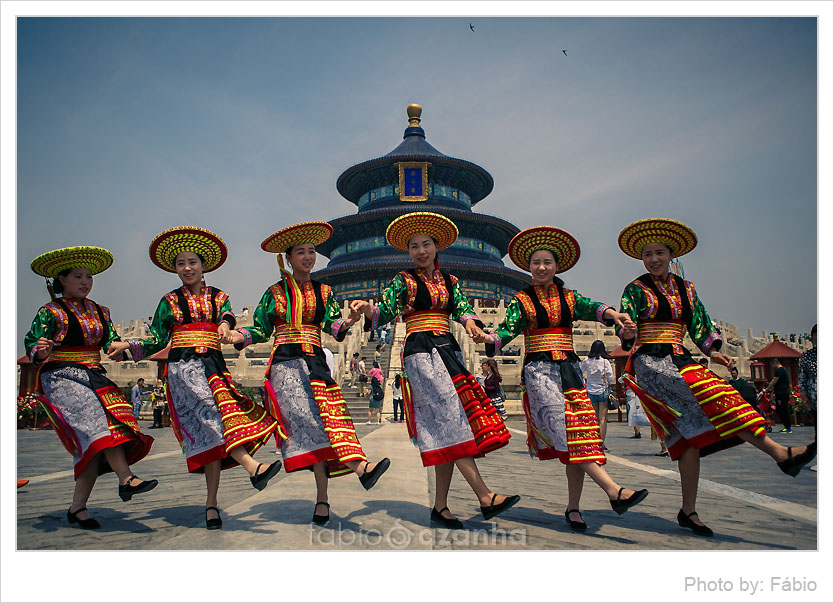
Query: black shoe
[[127, 491], [215, 523], [621, 506], [793, 464], [685, 522], [320, 520], [492, 510], [636, 436], [661, 453], [453, 524], [576, 526], [260, 480], [369, 479], [87, 524]]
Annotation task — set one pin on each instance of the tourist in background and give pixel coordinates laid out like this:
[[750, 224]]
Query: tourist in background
[[377, 394], [363, 377], [599, 378], [300, 390], [695, 411], [89, 413], [561, 423], [217, 426], [397, 393], [493, 389], [481, 375], [780, 387], [449, 416], [354, 369], [136, 396], [808, 380]]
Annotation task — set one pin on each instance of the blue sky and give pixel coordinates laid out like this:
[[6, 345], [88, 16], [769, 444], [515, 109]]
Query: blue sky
[[127, 127]]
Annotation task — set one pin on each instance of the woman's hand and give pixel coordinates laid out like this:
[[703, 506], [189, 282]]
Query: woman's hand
[[722, 359], [44, 348], [234, 337], [223, 332], [359, 305], [116, 349], [620, 319], [629, 332], [353, 318], [474, 331]]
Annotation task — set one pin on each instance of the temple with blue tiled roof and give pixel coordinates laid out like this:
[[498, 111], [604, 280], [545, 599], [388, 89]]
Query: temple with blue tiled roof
[[417, 177]]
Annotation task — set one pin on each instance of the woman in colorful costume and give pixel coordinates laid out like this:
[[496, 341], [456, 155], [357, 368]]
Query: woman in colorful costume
[[561, 422], [90, 414], [692, 409], [301, 394], [217, 426], [449, 416]]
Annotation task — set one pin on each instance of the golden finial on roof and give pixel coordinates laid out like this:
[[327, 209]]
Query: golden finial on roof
[[414, 111]]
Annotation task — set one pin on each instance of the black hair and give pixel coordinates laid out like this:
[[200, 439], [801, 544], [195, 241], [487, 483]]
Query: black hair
[[376, 364], [813, 329], [555, 255], [202, 259], [57, 287], [356, 354], [598, 350], [397, 380], [379, 345]]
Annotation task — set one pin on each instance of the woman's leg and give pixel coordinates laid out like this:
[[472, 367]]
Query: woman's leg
[[774, 450], [212, 485], [576, 477], [246, 461], [117, 461], [604, 481], [689, 467], [469, 470], [320, 473], [442, 481], [84, 486]]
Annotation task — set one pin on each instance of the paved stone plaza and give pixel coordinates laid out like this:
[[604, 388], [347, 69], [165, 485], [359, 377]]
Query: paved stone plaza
[[749, 503]]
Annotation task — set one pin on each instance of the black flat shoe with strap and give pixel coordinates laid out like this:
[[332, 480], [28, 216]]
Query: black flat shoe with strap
[[621, 506], [576, 526], [437, 516], [684, 521], [369, 479], [87, 524], [320, 520], [214, 523], [127, 491], [793, 464], [260, 480], [492, 510]]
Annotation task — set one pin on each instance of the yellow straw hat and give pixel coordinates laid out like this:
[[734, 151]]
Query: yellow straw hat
[[559, 241], [440, 228], [677, 236], [49, 264], [168, 243], [303, 232]]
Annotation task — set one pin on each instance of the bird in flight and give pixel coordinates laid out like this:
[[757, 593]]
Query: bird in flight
[[472, 27], [565, 52]]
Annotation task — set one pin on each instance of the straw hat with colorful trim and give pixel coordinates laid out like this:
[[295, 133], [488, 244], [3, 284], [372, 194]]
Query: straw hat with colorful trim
[[677, 236], [304, 232], [440, 228], [51, 263], [555, 239], [168, 243]]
